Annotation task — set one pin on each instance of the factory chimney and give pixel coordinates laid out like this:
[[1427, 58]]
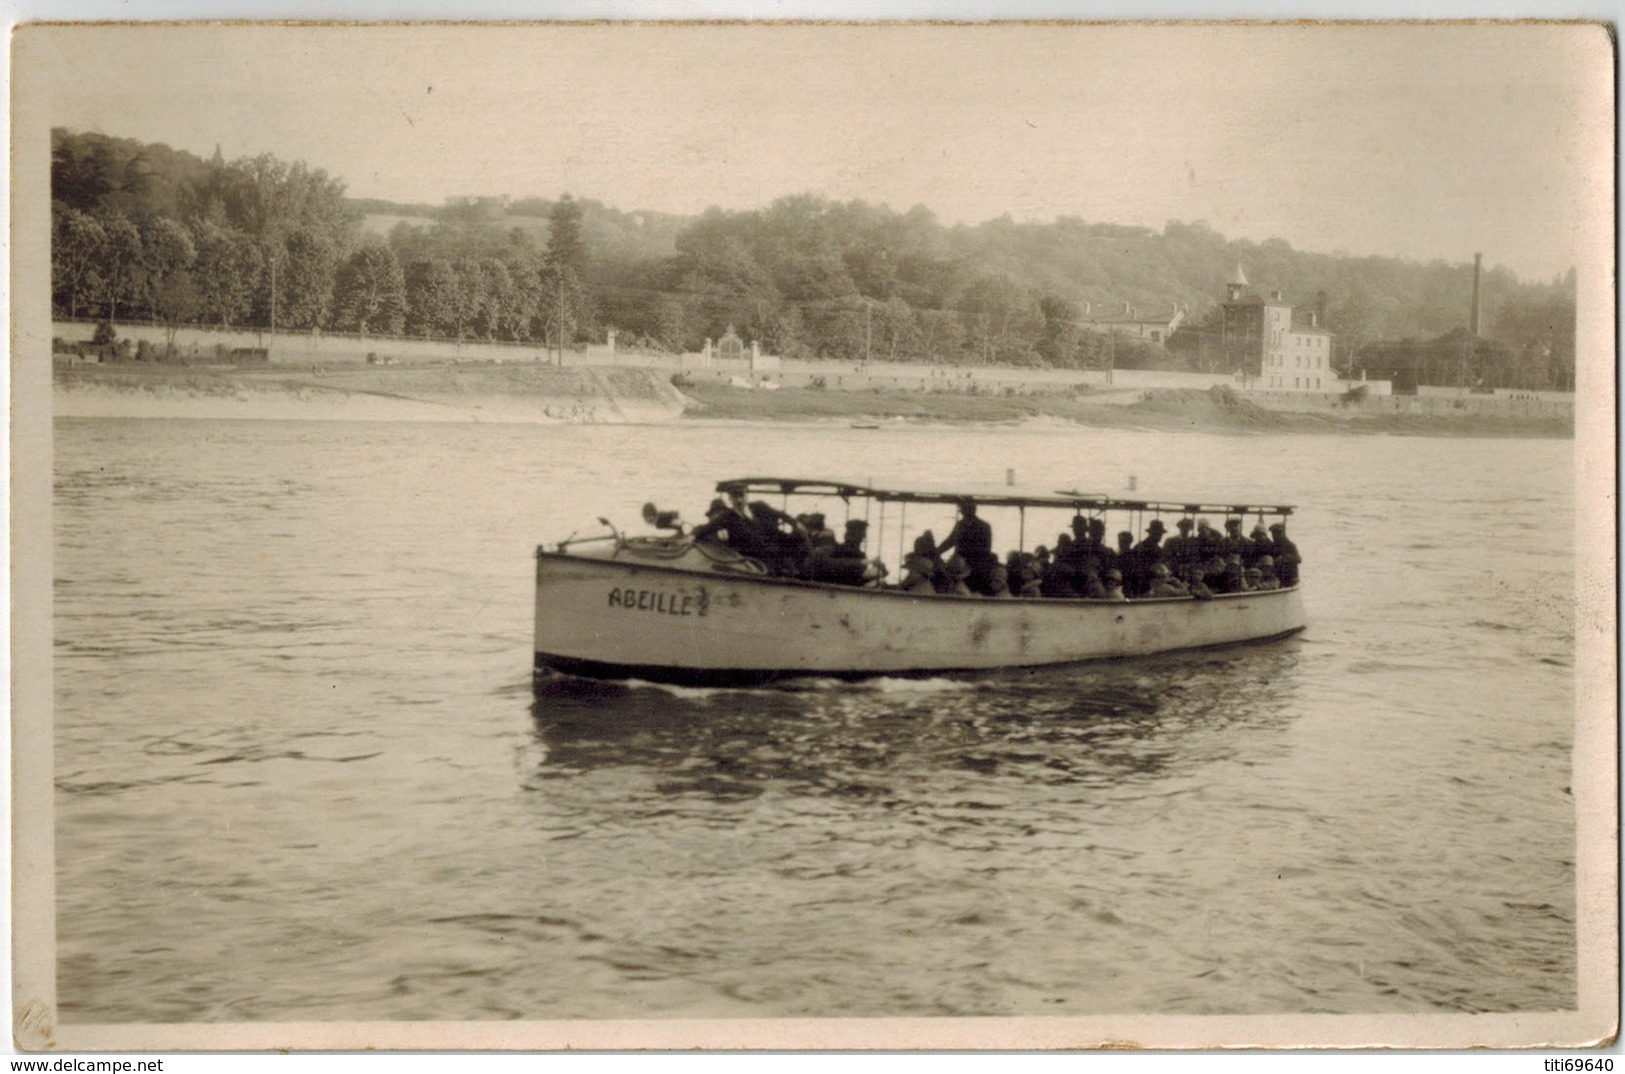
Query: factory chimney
[[1476, 325]]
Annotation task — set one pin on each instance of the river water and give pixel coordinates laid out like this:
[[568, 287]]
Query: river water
[[302, 774]]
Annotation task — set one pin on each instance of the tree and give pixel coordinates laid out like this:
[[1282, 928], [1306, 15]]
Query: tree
[[431, 297], [83, 171], [1000, 320], [896, 333], [226, 273], [561, 306], [941, 335], [77, 250], [307, 284], [272, 201], [525, 297], [565, 250], [369, 292], [563, 275], [121, 263], [494, 312], [176, 301], [669, 324], [166, 251], [1058, 343]]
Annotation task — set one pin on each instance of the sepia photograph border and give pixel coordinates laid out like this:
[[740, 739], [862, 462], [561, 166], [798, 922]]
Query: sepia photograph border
[[1595, 785]]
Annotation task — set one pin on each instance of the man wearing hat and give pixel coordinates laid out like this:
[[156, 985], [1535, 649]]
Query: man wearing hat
[[921, 567], [1286, 556], [1145, 555], [1164, 584], [1258, 544], [1207, 540], [972, 538], [1098, 550], [1179, 550], [851, 545], [737, 532]]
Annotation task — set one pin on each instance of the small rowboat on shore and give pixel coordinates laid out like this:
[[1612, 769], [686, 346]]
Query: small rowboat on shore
[[664, 607]]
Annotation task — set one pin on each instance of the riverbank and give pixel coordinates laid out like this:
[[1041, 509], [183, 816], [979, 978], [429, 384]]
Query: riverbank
[[515, 394], [632, 395], [1169, 410]]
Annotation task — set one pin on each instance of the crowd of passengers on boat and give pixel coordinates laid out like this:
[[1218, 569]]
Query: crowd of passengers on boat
[[1081, 564]]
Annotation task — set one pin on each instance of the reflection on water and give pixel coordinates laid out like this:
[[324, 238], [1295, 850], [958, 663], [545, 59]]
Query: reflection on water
[[1104, 725]]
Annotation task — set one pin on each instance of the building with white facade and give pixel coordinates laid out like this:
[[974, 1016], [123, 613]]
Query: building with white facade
[[1259, 334]]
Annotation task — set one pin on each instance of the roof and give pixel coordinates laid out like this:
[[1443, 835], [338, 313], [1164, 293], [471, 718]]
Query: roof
[[1238, 277], [1256, 299], [989, 496]]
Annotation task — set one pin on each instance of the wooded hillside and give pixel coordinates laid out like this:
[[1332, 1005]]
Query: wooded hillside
[[146, 232]]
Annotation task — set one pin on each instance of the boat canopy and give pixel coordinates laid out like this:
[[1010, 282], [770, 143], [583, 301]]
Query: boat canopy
[[995, 496]]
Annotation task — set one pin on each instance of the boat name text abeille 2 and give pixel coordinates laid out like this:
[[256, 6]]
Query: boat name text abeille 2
[[659, 601]]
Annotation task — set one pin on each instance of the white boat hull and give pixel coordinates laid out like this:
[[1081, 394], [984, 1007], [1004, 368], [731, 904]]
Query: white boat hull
[[623, 618]]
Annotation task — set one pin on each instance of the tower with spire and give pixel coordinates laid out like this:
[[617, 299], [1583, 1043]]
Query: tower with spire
[[1236, 286]]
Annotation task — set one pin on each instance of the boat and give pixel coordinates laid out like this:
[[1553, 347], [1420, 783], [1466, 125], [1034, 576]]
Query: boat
[[664, 607]]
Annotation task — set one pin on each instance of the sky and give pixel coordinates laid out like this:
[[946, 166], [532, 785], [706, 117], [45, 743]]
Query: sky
[[1418, 141]]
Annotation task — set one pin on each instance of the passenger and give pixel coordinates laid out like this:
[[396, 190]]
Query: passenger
[[851, 545], [1094, 555], [1253, 578], [1112, 585], [1072, 547], [1015, 572], [1235, 575], [1266, 573], [1060, 572], [1232, 541], [1213, 574], [1207, 541], [1258, 545], [921, 566], [957, 570], [1286, 556], [1042, 561], [1001, 581], [737, 531], [820, 536], [1164, 584], [844, 563], [1178, 551], [1125, 549], [972, 538], [782, 537], [1031, 577], [1146, 555]]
